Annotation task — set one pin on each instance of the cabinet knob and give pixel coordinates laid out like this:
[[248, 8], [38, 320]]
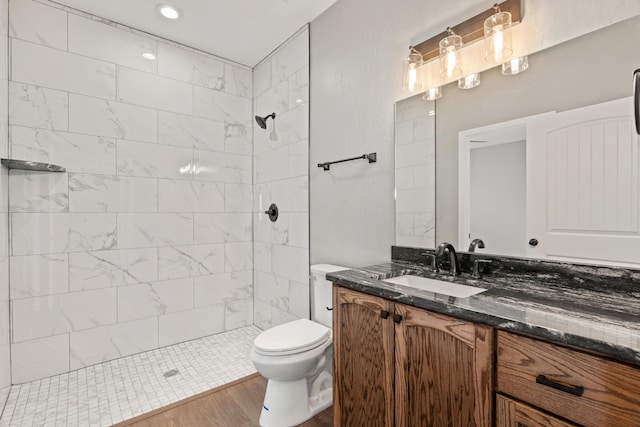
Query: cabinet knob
[[384, 314], [397, 318], [533, 242]]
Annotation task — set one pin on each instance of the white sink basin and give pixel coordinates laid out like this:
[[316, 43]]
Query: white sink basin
[[438, 286]]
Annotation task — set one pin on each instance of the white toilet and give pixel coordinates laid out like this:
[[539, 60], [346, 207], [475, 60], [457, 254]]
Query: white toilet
[[297, 359]]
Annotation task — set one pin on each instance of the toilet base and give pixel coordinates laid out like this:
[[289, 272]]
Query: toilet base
[[289, 403]]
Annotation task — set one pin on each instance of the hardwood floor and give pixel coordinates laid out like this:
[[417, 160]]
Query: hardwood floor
[[235, 404]]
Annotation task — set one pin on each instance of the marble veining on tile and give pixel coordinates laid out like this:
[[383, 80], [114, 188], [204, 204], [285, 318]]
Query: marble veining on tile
[[67, 232], [38, 191], [190, 261], [75, 152], [237, 80], [191, 67], [108, 193], [105, 259], [38, 107], [238, 139], [192, 132], [103, 269]]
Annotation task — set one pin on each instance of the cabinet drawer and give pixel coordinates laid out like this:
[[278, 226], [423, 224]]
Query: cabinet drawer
[[510, 413], [583, 388]]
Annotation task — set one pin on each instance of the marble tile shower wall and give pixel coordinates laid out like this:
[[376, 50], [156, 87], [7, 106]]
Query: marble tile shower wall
[[5, 340], [281, 170], [415, 172], [147, 240]]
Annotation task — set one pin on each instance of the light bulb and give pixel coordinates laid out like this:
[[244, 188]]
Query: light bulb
[[497, 36], [498, 43], [451, 60], [412, 78]]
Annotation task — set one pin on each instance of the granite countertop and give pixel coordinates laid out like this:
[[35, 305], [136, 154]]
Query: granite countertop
[[592, 308]]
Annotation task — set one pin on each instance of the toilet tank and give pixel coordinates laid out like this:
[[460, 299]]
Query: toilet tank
[[321, 292]]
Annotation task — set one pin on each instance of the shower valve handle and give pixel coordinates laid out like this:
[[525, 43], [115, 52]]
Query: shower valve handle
[[272, 212]]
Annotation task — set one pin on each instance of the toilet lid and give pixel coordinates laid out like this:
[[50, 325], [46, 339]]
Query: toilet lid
[[299, 335]]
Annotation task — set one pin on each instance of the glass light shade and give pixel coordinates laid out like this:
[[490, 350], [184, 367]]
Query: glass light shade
[[411, 80], [469, 82], [450, 56], [497, 37], [432, 94], [515, 66]]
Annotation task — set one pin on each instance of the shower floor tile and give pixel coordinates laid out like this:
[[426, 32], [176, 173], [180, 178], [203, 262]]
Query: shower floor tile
[[114, 391]]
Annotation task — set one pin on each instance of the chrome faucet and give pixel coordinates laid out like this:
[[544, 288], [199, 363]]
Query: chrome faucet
[[454, 267], [476, 243]]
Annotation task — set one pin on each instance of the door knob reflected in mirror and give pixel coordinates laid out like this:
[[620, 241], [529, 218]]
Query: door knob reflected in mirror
[[533, 242]]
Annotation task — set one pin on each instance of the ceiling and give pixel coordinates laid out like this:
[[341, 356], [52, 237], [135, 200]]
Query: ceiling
[[244, 31]]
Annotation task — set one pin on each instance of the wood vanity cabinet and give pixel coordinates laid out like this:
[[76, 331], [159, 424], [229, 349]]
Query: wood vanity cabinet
[[397, 365], [583, 388], [511, 413]]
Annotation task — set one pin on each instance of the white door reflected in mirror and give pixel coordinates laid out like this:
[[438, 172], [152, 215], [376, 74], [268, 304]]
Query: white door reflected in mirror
[[569, 180]]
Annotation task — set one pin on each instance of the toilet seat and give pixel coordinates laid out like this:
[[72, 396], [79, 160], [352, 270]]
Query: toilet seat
[[291, 338]]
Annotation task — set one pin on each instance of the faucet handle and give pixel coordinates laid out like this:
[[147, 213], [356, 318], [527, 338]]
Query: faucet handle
[[433, 261], [476, 267]]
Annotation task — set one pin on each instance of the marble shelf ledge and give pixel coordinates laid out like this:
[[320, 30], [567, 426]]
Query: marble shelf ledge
[[31, 166]]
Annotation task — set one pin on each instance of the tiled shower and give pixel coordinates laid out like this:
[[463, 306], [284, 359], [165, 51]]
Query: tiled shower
[[156, 234]]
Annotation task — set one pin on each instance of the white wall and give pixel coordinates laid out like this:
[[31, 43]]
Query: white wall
[[281, 169], [5, 334], [357, 47], [147, 240]]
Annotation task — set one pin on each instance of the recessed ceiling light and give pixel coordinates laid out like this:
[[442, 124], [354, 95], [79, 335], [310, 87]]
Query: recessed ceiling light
[[168, 11], [148, 55]]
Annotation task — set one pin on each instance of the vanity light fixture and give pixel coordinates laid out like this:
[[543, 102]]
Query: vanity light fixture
[[450, 55], [515, 66], [432, 94], [472, 29], [470, 81], [148, 55], [168, 11], [497, 36], [411, 81], [494, 25]]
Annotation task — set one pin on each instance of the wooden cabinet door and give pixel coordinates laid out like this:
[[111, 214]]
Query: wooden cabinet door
[[443, 370], [363, 359], [510, 413]]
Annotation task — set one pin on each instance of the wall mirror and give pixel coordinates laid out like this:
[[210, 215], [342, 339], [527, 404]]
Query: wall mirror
[[415, 172], [483, 139]]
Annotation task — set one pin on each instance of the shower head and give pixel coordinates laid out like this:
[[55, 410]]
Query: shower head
[[262, 121]]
